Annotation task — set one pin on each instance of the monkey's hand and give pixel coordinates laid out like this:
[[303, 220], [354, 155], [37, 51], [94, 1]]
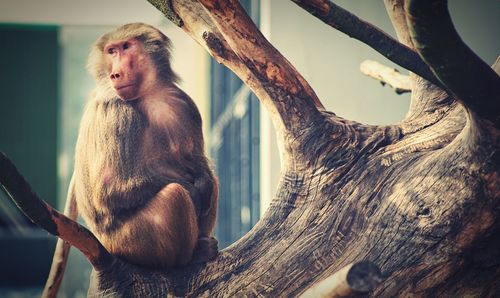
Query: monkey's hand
[[206, 250]]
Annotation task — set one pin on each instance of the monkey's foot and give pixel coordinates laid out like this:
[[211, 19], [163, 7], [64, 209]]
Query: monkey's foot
[[206, 250]]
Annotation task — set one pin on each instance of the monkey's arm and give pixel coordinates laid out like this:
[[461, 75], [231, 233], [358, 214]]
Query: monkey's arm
[[166, 230], [61, 252], [209, 211], [207, 246]]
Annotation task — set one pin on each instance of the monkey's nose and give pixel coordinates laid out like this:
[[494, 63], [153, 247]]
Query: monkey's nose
[[114, 75]]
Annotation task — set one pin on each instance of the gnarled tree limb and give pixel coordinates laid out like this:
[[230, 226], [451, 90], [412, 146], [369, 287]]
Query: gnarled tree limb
[[347, 23], [460, 70]]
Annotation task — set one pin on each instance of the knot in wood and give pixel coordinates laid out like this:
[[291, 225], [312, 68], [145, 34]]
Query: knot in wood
[[363, 277], [214, 43], [272, 70], [276, 75]]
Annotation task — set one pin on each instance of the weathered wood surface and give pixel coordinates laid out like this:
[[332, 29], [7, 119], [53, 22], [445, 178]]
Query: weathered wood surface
[[419, 199]]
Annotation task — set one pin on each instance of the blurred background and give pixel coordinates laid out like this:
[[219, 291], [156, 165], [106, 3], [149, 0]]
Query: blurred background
[[44, 86]]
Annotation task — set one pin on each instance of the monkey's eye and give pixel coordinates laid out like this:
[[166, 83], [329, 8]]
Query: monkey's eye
[[126, 45], [111, 51]]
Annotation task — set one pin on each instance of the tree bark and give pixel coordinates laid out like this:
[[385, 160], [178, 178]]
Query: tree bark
[[418, 199]]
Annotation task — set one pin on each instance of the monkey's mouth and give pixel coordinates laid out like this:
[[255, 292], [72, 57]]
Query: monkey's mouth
[[126, 92], [123, 86]]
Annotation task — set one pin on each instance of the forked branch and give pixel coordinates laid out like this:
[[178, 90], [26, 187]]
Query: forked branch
[[48, 218], [459, 69], [346, 22]]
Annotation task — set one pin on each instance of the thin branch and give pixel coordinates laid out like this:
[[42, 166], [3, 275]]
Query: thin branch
[[347, 23], [353, 279], [386, 75], [56, 272], [460, 70], [61, 252], [48, 218]]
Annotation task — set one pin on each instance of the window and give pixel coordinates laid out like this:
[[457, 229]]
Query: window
[[234, 147]]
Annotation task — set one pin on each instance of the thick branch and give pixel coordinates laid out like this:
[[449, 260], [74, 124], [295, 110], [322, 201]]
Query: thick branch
[[347, 23], [48, 218], [460, 70], [353, 279], [386, 75], [396, 11], [291, 95]]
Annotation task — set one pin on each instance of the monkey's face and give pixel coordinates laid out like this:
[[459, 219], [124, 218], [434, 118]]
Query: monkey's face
[[129, 68]]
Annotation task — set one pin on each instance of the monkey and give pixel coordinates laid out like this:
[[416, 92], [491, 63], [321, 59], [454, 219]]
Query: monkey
[[142, 182]]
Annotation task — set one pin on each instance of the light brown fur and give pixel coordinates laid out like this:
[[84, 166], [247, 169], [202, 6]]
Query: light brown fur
[[142, 181]]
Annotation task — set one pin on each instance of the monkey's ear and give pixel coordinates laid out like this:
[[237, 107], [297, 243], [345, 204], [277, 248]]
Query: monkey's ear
[[50, 219], [96, 65]]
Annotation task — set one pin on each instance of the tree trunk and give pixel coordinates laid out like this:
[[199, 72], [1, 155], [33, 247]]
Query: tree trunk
[[418, 199]]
